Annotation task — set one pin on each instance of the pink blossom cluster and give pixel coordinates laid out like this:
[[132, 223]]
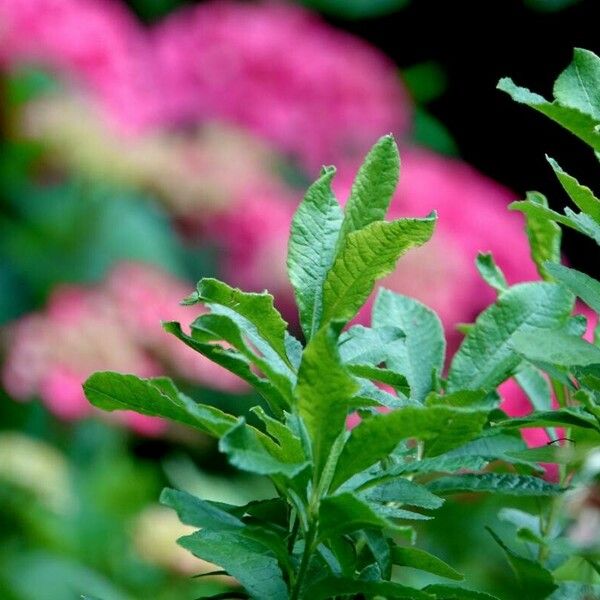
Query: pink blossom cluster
[[269, 67], [280, 71], [113, 326]]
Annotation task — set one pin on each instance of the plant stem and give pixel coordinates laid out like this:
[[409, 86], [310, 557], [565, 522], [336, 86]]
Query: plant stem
[[309, 541]]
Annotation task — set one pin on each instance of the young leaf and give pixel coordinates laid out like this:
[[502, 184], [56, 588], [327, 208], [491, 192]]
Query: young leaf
[[323, 393], [370, 346], [490, 272], [422, 353], [577, 122], [364, 257], [373, 187], [555, 347], [245, 558], [568, 417], [311, 250], [486, 357], [256, 309], [582, 285], [499, 483], [236, 363], [245, 451], [290, 444], [419, 559], [536, 581], [375, 438], [578, 86], [581, 195], [154, 397]]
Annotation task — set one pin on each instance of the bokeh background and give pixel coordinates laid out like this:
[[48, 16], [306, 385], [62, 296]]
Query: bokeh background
[[148, 143]]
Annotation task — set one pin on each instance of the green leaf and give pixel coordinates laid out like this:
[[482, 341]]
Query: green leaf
[[419, 559], [244, 558], [536, 581], [256, 309], [403, 491], [247, 452], [572, 590], [345, 513], [236, 363], [370, 346], [422, 353], [581, 195], [443, 591], [544, 235], [373, 187], [578, 86], [438, 464], [498, 483], [381, 375], [364, 257], [290, 444], [579, 123], [486, 358], [555, 347], [537, 388], [323, 393], [331, 587], [156, 397], [569, 417], [582, 285], [311, 250], [374, 438], [490, 272], [198, 513]]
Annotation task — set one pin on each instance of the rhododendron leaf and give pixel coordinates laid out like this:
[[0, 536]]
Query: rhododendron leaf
[[568, 417], [486, 358], [578, 86], [544, 235], [443, 591], [323, 393], [404, 491], [490, 272], [374, 438], [198, 513], [331, 587], [236, 363], [372, 346], [422, 352], [311, 249], [577, 122], [582, 285], [248, 560], [373, 187], [581, 195], [365, 256], [257, 309], [500, 483], [345, 513], [247, 452], [154, 397], [556, 348], [419, 559], [536, 581]]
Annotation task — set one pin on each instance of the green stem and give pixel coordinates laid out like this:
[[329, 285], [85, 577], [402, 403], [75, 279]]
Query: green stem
[[309, 542]]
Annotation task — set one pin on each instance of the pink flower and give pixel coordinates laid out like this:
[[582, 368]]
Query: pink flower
[[113, 326], [283, 73], [97, 43]]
